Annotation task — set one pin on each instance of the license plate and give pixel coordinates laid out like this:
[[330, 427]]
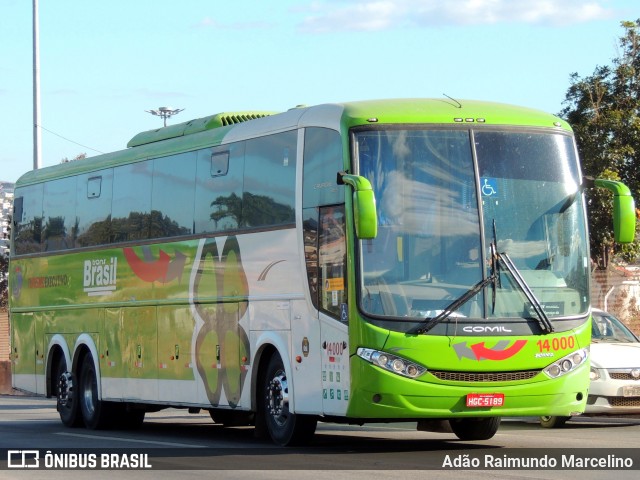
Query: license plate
[[631, 391], [485, 400]]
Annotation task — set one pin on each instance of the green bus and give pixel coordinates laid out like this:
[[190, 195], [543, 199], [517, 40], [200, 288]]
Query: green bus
[[394, 260]]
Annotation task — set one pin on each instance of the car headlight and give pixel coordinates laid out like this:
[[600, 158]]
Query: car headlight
[[392, 363], [594, 374], [567, 363]]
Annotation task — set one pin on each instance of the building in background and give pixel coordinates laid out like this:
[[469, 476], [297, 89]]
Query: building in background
[[6, 205]]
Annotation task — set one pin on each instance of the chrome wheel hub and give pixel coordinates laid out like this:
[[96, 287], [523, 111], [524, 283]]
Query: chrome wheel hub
[[65, 389], [278, 398]]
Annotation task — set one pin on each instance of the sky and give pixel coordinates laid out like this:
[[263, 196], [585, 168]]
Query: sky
[[103, 64]]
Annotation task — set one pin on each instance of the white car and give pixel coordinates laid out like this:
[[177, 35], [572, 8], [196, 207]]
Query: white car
[[615, 371]]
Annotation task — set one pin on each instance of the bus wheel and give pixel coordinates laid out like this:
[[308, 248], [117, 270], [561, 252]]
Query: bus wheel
[[95, 413], [475, 428], [285, 428], [553, 422], [66, 395]]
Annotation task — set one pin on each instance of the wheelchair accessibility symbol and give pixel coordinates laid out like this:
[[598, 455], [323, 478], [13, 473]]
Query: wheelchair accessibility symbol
[[489, 187], [344, 313]]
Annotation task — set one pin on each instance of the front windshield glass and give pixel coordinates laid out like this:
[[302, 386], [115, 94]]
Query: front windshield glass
[[430, 248], [607, 328]]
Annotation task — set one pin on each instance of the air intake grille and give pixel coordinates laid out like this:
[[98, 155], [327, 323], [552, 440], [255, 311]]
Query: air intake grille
[[484, 376], [624, 401], [239, 118], [622, 376]]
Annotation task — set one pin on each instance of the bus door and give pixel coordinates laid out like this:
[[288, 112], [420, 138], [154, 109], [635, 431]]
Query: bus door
[[332, 303]]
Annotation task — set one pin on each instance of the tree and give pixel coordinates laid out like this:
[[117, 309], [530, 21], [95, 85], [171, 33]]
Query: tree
[[80, 156], [604, 111], [4, 271]]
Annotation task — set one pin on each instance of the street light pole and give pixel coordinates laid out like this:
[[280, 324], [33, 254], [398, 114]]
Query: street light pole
[[37, 134], [165, 113]]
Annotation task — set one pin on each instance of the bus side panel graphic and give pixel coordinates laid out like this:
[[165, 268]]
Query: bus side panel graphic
[[221, 343]]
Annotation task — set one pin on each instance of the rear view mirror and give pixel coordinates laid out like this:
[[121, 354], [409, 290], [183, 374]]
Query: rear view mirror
[[624, 210], [364, 205]]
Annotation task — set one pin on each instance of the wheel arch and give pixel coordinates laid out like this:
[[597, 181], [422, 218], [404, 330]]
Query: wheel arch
[[86, 345], [57, 349], [266, 346]]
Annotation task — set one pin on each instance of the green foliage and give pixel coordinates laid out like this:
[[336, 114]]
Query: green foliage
[[604, 111], [4, 272], [4, 268]]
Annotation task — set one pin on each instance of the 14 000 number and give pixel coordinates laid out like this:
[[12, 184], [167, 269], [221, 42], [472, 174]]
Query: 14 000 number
[[558, 343]]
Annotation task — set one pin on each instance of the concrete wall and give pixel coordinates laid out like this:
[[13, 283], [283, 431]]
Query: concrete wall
[[5, 365]]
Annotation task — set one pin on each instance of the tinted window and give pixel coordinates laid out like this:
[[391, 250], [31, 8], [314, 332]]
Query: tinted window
[[93, 196], [172, 195], [28, 234], [269, 182], [219, 163], [131, 208], [322, 162], [60, 227], [332, 260], [310, 235], [218, 201]]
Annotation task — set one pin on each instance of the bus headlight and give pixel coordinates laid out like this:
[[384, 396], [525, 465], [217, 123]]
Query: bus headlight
[[567, 363], [392, 363]]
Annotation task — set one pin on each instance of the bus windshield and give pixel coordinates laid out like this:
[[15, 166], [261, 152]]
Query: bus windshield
[[444, 196]]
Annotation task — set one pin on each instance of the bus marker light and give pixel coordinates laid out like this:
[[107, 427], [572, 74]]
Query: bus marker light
[[298, 359]]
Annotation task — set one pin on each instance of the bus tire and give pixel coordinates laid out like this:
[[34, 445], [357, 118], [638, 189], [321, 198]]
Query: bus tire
[[95, 413], [552, 421], [475, 428], [66, 396], [284, 428]]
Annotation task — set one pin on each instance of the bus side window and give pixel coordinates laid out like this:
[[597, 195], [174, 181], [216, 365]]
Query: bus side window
[[322, 161], [268, 196], [28, 221], [324, 227], [219, 163], [172, 195], [93, 208], [218, 193], [131, 203], [59, 231], [332, 260]]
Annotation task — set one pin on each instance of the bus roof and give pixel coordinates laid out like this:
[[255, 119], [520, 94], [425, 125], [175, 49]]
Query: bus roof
[[226, 127]]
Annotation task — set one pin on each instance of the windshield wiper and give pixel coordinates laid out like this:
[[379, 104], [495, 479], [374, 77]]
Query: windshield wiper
[[537, 307], [494, 279], [429, 323]]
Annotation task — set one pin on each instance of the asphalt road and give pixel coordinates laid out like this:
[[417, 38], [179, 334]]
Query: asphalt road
[[175, 441]]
